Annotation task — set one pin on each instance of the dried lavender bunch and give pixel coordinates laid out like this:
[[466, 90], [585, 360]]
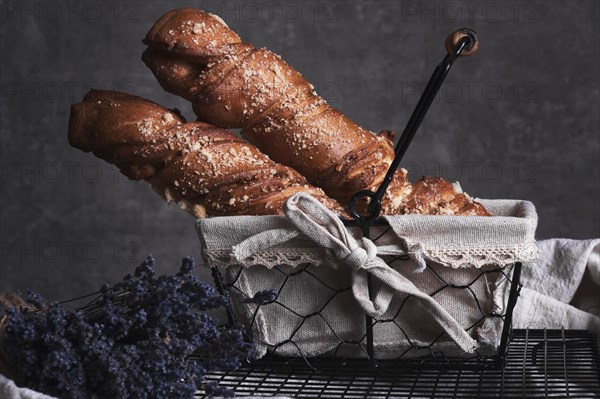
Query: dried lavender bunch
[[145, 337]]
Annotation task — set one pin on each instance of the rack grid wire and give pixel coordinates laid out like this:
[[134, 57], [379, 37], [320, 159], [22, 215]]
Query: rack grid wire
[[539, 364]]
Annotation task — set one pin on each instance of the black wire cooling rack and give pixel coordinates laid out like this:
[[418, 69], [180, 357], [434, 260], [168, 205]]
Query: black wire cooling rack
[[539, 364]]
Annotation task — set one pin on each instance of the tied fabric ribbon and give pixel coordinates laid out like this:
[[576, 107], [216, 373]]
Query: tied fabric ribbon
[[319, 224]]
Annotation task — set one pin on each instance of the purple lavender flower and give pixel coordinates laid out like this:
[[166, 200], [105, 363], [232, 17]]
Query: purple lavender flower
[[212, 389], [144, 337]]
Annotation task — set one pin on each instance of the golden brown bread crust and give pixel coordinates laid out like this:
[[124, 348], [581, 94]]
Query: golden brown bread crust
[[206, 170], [436, 196], [234, 85]]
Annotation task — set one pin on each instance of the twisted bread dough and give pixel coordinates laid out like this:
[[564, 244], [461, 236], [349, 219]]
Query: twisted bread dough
[[232, 84], [206, 170]]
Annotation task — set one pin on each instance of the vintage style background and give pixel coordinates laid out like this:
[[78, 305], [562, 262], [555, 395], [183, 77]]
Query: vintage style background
[[518, 120]]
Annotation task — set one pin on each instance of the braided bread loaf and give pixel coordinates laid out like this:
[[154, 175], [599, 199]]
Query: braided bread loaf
[[232, 84], [204, 169]]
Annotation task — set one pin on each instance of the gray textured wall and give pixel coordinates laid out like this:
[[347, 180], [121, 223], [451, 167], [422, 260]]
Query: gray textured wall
[[518, 120]]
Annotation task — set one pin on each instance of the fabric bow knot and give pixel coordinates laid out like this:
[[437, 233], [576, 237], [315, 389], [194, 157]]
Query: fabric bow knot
[[318, 223], [360, 256]]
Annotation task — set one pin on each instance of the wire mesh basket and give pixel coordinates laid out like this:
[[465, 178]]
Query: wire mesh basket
[[313, 311], [423, 289], [286, 325]]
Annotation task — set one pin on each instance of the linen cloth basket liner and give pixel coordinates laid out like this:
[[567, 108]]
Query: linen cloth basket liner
[[456, 249]]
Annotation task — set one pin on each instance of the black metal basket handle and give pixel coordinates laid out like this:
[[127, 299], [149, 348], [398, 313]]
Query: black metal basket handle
[[462, 42]]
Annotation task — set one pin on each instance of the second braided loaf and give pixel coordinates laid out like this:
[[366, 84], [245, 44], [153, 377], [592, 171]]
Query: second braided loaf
[[206, 170]]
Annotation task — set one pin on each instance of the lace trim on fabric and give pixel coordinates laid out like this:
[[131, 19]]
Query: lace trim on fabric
[[455, 257], [463, 256], [271, 258]]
